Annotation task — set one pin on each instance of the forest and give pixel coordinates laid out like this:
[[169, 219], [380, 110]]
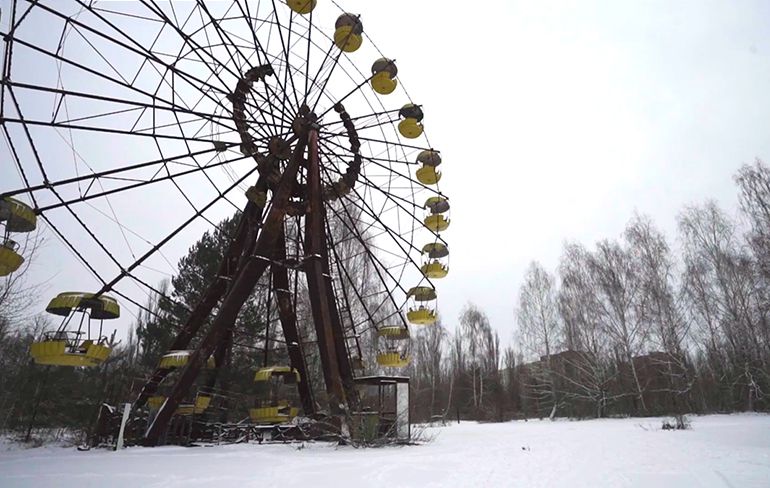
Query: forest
[[633, 325]]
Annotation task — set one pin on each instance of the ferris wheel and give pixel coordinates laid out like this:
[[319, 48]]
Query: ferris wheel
[[133, 126]]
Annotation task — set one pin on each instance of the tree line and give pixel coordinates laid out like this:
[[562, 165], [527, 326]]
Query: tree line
[[630, 326]]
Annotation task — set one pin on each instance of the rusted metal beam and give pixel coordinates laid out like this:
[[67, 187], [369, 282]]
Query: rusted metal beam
[[246, 279], [289, 325], [246, 228], [321, 294], [340, 342]]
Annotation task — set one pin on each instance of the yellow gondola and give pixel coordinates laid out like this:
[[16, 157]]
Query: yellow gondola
[[302, 7], [264, 374], [200, 405], [429, 157], [393, 346], [68, 347], [278, 414], [436, 223], [437, 218], [100, 307], [276, 395], [422, 309], [427, 174], [179, 359], [10, 259], [411, 126], [347, 32], [257, 197], [435, 260], [384, 73], [15, 216]]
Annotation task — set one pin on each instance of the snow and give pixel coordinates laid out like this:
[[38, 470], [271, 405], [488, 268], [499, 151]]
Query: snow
[[719, 451]]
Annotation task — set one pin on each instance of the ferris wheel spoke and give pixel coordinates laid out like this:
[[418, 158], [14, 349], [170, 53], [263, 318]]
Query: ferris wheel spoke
[[46, 123], [125, 228], [396, 238], [139, 184], [138, 49], [372, 125], [287, 75], [307, 58], [224, 35], [341, 270], [262, 52], [347, 215], [125, 14], [388, 195], [369, 183], [111, 173], [328, 77], [171, 235], [194, 47], [72, 213], [346, 273], [187, 39], [271, 59], [79, 256], [396, 144], [391, 171], [98, 74], [358, 118]]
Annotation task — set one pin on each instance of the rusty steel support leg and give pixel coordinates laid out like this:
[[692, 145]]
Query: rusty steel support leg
[[246, 279], [321, 294], [249, 219], [289, 325], [340, 344]]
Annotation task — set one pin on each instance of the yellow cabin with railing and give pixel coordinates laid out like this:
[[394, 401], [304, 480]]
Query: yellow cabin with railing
[[197, 407], [393, 343], [427, 173], [411, 124], [276, 397], [384, 73], [60, 350], [302, 7], [435, 260], [348, 32], [180, 358], [437, 214], [79, 346], [15, 217], [422, 305]]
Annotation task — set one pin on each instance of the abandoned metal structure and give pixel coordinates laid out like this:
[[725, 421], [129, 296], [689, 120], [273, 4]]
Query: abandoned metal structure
[[339, 211]]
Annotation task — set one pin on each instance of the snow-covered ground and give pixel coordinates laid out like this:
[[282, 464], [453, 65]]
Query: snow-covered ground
[[719, 451]]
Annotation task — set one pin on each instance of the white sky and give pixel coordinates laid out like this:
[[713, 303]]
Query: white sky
[[558, 120]]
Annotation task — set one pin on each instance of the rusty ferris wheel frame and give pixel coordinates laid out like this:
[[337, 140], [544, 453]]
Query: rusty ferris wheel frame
[[240, 96]]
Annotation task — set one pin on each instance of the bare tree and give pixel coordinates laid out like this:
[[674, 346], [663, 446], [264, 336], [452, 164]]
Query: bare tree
[[615, 281], [659, 304], [721, 287], [427, 366], [539, 328], [592, 372], [477, 354], [754, 191]]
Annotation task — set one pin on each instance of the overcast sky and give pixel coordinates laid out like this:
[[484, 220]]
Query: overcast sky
[[558, 120]]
